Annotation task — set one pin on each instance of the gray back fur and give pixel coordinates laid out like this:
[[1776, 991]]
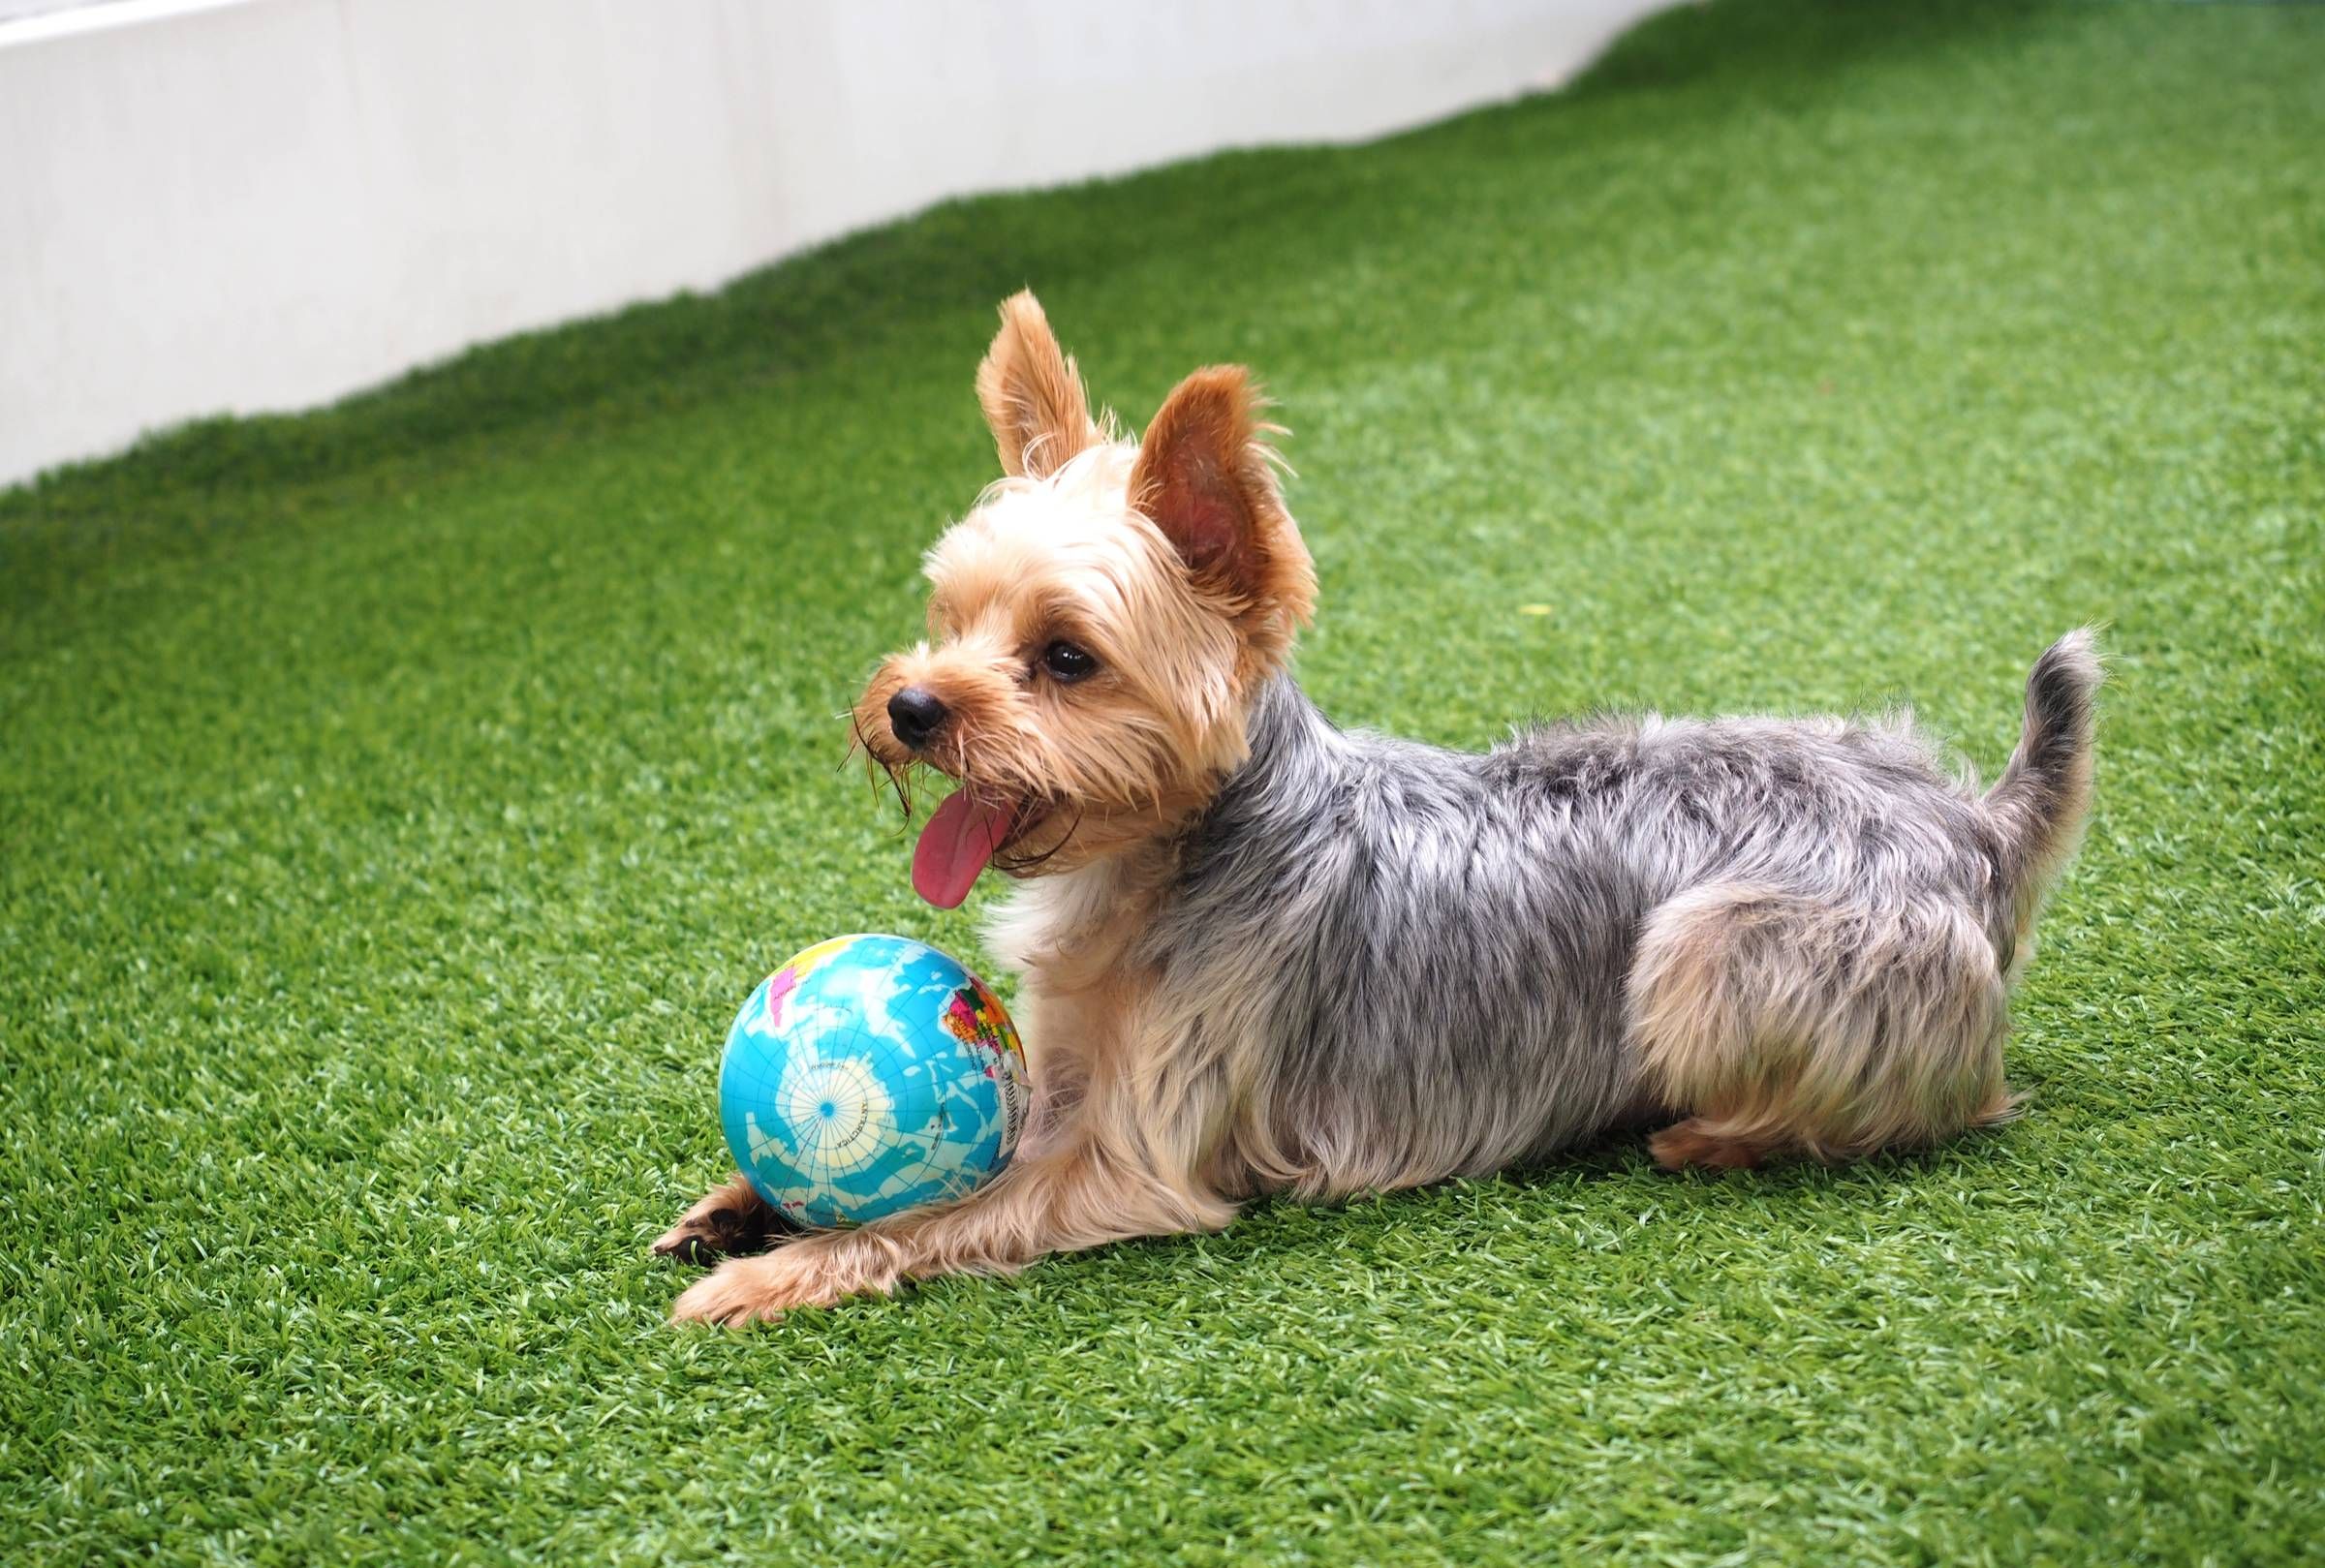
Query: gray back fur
[[1446, 937]]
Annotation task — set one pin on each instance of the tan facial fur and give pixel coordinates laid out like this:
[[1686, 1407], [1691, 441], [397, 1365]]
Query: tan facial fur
[[1172, 562]]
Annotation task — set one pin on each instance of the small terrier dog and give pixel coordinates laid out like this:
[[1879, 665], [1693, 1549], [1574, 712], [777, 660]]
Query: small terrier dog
[[1260, 954]]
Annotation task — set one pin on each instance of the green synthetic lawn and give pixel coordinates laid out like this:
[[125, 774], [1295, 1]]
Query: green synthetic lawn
[[396, 801]]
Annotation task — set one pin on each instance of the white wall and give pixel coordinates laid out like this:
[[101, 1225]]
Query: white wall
[[12, 8], [211, 205]]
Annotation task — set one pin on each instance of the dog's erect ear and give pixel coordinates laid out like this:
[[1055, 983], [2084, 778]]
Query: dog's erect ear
[[1208, 481], [1032, 393]]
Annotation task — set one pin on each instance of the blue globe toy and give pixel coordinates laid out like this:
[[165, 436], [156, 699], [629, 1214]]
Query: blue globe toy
[[869, 1075]]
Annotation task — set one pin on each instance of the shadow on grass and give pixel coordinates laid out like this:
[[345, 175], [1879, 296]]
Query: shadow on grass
[[1606, 1180]]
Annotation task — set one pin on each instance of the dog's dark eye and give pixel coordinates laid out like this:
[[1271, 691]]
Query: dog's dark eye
[[1065, 663]]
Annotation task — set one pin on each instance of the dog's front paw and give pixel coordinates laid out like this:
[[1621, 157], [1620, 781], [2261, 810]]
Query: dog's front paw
[[729, 1219], [743, 1291]]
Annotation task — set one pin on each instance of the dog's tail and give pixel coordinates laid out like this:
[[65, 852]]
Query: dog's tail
[[2042, 797]]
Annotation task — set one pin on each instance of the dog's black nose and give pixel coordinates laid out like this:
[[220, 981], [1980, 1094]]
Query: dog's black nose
[[916, 715]]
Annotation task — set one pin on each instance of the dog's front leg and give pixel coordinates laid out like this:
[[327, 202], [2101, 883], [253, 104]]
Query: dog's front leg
[[1072, 1194]]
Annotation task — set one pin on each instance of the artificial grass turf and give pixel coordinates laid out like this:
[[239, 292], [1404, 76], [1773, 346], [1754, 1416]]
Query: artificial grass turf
[[396, 801]]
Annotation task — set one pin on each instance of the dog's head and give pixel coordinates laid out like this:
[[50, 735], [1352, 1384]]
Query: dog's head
[[1099, 623]]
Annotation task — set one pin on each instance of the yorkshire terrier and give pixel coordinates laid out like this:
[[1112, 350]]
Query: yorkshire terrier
[[1261, 954]]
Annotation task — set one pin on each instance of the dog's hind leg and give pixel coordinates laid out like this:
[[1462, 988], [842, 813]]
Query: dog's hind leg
[[1785, 1024]]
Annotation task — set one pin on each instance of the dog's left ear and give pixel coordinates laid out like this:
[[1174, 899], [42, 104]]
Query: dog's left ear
[[1207, 479]]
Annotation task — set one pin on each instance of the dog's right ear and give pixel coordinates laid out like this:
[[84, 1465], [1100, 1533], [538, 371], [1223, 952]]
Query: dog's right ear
[[1032, 394]]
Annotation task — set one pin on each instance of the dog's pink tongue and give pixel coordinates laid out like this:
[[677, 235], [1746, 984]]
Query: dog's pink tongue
[[956, 845]]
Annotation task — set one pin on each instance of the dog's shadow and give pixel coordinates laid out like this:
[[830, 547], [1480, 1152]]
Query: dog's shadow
[[1574, 1201]]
